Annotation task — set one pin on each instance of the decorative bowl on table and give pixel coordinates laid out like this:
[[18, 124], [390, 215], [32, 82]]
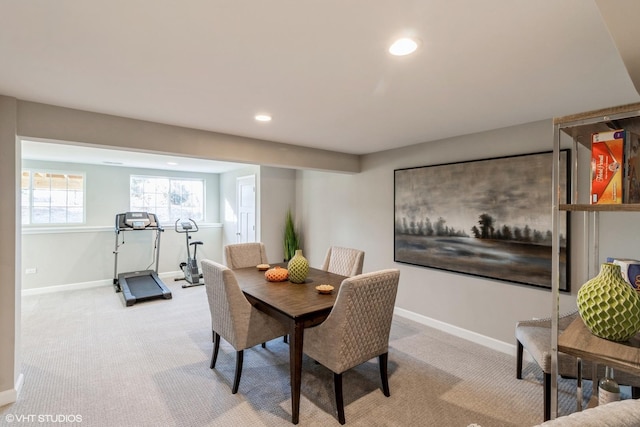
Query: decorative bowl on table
[[324, 289], [276, 274], [263, 267]]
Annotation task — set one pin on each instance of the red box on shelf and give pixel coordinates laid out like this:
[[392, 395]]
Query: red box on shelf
[[607, 160]]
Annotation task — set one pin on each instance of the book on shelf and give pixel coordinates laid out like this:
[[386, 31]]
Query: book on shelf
[[631, 186], [630, 269]]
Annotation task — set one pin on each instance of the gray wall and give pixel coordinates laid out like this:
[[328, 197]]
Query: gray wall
[[9, 250], [275, 193], [357, 211], [88, 257]]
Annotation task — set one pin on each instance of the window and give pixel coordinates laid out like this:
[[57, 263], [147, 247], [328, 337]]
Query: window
[[168, 198], [52, 197]]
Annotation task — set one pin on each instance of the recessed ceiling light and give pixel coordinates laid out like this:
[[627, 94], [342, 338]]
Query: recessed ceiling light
[[263, 117], [172, 163], [403, 46]]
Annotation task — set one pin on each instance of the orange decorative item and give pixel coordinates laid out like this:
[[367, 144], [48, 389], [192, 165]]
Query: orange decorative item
[[276, 274]]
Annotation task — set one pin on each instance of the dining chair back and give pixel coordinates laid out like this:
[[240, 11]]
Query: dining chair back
[[343, 261], [357, 329], [240, 255], [233, 317]]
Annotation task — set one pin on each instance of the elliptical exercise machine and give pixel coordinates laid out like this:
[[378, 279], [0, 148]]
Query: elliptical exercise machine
[[190, 268]]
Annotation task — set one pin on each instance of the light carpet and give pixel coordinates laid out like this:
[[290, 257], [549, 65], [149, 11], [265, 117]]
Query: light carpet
[[87, 357]]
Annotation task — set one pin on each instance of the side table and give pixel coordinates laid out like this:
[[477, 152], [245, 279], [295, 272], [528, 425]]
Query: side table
[[579, 342]]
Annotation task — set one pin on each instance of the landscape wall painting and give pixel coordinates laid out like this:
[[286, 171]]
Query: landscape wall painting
[[490, 218]]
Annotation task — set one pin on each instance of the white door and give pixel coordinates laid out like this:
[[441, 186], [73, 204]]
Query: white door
[[246, 190]]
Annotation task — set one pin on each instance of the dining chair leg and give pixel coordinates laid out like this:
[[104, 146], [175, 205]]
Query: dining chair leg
[[382, 361], [519, 360], [337, 385], [236, 381], [216, 347], [546, 382]]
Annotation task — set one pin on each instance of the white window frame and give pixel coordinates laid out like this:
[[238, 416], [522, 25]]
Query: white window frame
[[67, 205], [150, 199]]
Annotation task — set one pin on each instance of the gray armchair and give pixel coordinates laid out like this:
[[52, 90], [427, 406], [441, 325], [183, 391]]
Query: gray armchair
[[233, 317], [343, 261], [535, 337], [357, 328], [242, 255]]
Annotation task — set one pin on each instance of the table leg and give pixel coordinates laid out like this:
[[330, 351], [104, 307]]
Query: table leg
[[579, 395], [594, 383], [295, 365]]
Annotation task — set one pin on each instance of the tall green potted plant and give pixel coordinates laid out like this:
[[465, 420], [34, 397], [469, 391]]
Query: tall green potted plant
[[291, 238]]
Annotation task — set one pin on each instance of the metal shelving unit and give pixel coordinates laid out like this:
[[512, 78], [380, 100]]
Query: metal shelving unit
[[580, 127]]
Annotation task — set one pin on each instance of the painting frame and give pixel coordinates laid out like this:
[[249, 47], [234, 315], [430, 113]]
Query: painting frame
[[489, 218]]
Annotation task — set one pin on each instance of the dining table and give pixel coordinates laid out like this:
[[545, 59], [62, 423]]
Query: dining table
[[299, 305]]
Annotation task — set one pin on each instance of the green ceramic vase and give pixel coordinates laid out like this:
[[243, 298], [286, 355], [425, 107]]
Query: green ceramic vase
[[609, 307], [298, 268]]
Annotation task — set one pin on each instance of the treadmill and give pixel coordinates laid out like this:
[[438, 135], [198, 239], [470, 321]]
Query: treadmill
[[139, 285]]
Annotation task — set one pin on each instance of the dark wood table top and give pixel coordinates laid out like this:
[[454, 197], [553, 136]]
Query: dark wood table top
[[292, 299], [577, 340]]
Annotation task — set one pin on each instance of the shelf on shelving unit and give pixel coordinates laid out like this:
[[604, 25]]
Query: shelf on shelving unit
[[581, 126], [625, 207]]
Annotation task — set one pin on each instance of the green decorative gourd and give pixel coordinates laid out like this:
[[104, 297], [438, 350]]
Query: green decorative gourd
[[609, 307], [298, 268]]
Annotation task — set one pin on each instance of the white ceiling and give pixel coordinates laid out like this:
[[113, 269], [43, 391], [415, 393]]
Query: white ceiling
[[319, 67]]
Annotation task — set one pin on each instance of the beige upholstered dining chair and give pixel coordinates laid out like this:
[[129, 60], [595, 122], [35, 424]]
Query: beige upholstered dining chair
[[233, 317], [357, 329], [343, 261], [535, 337], [242, 255]]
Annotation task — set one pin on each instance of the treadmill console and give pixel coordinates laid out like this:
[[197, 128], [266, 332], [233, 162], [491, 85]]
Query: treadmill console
[[136, 221]]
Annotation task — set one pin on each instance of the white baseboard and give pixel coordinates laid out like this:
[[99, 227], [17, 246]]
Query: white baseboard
[[10, 396], [88, 285], [484, 340], [7, 397], [69, 287]]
